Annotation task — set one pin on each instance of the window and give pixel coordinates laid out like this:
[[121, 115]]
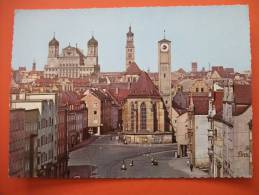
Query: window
[[164, 75], [132, 116], [143, 116], [197, 89], [202, 90], [95, 112]]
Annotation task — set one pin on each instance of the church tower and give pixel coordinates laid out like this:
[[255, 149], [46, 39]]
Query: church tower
[[92, 56], [130, 49], [53, 48], [164, 68]]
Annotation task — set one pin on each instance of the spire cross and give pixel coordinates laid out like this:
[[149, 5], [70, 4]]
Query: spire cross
[[54, 34]]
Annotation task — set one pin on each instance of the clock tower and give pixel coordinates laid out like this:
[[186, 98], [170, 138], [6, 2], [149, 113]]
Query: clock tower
[[130, 49], [164, 68]]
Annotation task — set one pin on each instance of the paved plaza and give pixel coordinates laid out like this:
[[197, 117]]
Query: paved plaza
[[103, 158]]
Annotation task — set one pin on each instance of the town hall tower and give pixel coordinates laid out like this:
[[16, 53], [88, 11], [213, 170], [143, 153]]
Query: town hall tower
[[164, 68]]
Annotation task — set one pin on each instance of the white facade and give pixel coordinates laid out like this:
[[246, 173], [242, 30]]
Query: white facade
[[201, 141], [237, 149], [180, 125], [72, 63]]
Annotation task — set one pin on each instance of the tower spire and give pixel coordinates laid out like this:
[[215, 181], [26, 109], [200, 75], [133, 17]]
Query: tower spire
[[164, 33], [33, 65]]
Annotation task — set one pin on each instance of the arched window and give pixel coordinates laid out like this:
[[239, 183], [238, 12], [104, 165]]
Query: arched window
[[143, 116], [132, 116]]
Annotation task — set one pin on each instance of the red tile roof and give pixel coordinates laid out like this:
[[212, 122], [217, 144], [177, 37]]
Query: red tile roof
[[133, 69], [201, 105], [144, 87], [218, 100], [229, 70], [181, 70], [240, 109], [80, 82], [223, 72], [217, 68], [242, 94], [119, 94], [68, 98]]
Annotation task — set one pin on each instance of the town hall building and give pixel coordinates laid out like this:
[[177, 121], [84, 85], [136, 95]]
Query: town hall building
[[72, 62]]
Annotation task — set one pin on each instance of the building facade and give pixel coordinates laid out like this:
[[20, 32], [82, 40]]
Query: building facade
[[17, 143], [143, 114], [31, 148], [46, 160], [72, 62]]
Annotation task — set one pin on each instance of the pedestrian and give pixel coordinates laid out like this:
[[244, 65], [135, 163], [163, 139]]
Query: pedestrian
[[191, 167], [188, 162], [123, 166]]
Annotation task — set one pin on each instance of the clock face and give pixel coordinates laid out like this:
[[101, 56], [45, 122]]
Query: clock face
[[164, 47]]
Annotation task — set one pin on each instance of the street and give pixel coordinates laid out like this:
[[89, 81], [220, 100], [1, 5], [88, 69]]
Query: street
[[103, 158]]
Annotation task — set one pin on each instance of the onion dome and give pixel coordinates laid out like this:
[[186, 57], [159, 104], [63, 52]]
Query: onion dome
[[54, 42], [93, 42], [130, 33]]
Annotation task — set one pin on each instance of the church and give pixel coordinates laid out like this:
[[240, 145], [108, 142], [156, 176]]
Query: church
[[72, 62], [146, 112]]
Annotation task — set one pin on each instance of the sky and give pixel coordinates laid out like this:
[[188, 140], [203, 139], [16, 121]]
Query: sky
[[208, 35]]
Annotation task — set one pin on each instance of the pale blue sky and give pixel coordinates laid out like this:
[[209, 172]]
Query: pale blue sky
[[218, 35]]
